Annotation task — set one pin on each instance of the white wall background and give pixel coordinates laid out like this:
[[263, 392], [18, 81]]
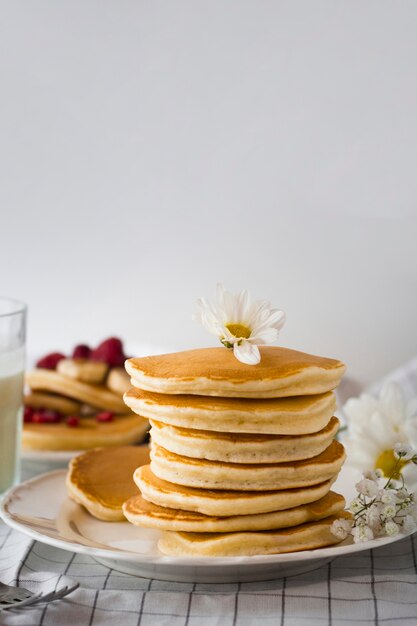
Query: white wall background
[[150, 149]]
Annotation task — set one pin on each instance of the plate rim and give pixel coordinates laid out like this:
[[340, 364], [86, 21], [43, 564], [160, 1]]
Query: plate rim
[[195, 561]]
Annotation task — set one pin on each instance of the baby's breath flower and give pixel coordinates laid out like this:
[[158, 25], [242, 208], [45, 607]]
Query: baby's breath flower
[[362, 533], [356, 505], [388, 496], [373, 515], [413, 512], [388, 511], [373, 474], [409, 524], [380, 508], [403, 451], [341, 528], [401, 494], [367, 487], [391, 528]]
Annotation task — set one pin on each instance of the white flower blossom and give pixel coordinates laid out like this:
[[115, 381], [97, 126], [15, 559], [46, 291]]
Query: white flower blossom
[[376, 426], [362, 533], [373, 474], [373, 516], [401, 494], [391, 528], [356, 505], [409, 524], [367, 487], [240, 323], [413, 512], [388, 511], [388, 496], [403, 450], [341, 528], [380, 509]]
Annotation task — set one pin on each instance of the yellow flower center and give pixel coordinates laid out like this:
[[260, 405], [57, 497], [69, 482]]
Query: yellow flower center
[[239, 330], [387, 462]]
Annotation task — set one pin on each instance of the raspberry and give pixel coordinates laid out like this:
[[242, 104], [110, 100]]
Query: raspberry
[[109, 351], [50, 361], [44, 416], [81, 352], [72, 420], [28, 415], [105, 416]]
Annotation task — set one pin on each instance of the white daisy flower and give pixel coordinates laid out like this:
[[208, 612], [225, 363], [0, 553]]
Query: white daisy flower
[[376, 426], [240, 323]]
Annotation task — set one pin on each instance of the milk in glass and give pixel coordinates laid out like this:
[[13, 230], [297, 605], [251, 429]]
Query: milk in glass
[[11, 396]]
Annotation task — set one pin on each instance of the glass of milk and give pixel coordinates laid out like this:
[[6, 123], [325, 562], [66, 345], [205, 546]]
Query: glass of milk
[[12, 365]]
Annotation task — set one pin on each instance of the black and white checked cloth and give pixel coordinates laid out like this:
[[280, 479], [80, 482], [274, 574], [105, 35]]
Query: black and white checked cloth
[[371, 587]]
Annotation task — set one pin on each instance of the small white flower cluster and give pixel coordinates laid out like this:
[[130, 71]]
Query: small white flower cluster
[[381, 508]]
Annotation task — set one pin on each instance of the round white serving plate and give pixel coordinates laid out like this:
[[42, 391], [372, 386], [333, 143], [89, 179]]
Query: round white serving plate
[[49, 456], [41, 509]]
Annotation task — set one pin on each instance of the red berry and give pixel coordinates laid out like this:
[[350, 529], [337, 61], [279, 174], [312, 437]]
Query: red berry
[[109, 351], [72, 420], [44, 416], [50, 361], [81, 351], [28, 415], [105, 416]]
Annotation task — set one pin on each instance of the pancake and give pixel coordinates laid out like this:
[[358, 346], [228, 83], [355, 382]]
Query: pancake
[[101, 479], [307, 536], [96, 395], [223, 502], [118, 380], [84, 370], [242, 447], [243, 477], [40, 400], [216, 372], [284, 416], [124, 429], [142, 513]]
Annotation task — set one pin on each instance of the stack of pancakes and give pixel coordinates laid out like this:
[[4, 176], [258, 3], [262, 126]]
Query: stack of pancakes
[[242, 457]]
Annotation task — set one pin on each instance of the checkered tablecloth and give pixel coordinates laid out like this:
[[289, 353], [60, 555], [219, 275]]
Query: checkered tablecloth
[[370, 587]]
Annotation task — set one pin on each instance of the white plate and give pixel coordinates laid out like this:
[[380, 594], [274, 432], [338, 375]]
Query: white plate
[[49, 456], [54, 457], [41, 509]]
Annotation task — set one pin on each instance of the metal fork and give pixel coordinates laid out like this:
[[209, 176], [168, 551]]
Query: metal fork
[[18, 597]]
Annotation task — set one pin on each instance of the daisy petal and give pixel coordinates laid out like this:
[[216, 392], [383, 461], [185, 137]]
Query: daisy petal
[[247, 353], [269, 335]]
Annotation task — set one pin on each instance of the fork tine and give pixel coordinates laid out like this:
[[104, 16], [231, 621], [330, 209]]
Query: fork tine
[[40, 598], [61, 593], [29, 601], [65, 591]]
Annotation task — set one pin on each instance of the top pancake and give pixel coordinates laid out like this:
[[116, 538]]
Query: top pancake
[[216, 372]]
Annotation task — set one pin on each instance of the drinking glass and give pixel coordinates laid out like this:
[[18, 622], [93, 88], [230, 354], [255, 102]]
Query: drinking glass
[[12, 364]]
